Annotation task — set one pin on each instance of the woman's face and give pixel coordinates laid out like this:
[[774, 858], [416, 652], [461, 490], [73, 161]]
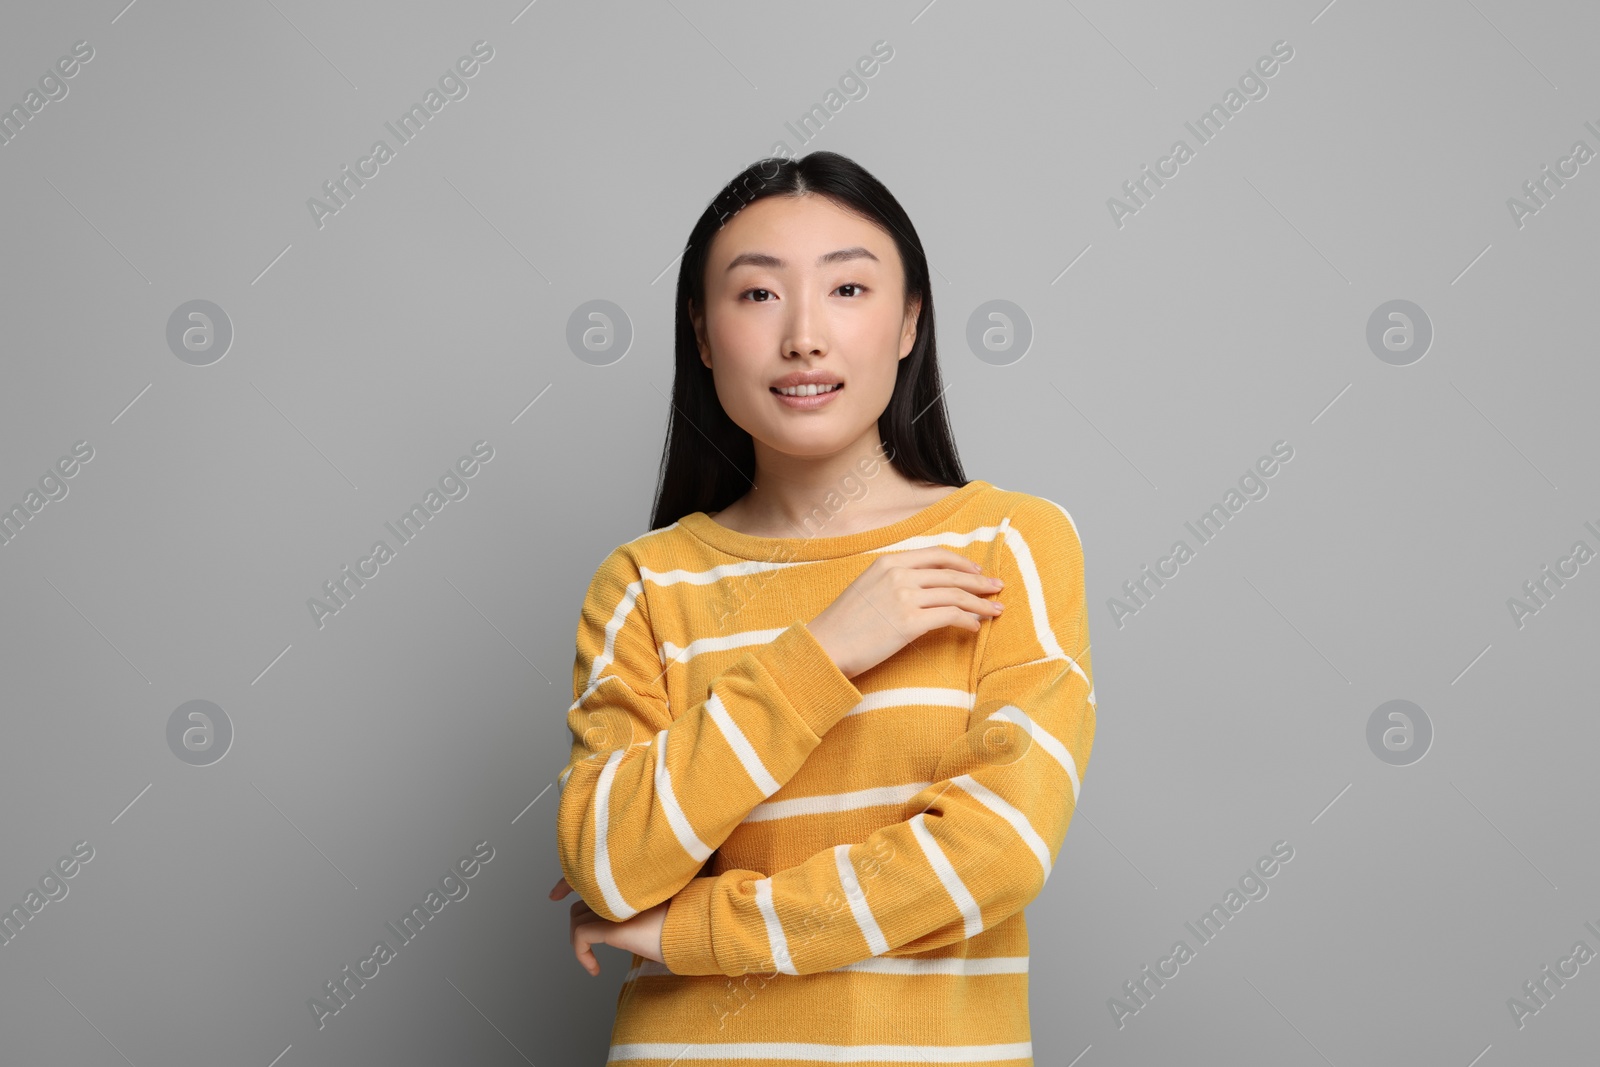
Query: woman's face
[[799, 285]]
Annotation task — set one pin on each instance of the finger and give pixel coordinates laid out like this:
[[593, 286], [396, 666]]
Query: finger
[[560, 889], [585, 936], [953, 616], [937, 556], [946, 596], [581, 917], [979, 583], [938, 565], [579, 920]]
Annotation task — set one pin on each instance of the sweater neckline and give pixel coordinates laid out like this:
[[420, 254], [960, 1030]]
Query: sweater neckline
[[749, 546]]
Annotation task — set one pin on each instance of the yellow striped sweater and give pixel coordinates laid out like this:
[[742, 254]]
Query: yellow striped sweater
[[847, 859]]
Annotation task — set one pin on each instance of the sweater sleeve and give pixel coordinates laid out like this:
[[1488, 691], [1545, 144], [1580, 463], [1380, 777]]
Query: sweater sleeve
[[646, 797], [984, 837]]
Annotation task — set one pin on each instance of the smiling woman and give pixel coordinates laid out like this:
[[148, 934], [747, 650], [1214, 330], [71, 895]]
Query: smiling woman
[[840, 313], [845, 790]]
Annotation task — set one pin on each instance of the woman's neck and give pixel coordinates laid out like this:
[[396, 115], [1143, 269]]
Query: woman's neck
[[775, 507]]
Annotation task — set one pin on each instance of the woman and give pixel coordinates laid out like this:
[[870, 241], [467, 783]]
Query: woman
[[819, 766]]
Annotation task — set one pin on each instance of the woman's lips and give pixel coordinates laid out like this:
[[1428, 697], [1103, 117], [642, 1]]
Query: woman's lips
[[808, 403]]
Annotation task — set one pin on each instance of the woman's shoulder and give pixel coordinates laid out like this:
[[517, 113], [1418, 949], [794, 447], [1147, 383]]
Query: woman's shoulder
[[1029, 512], [652, 550]]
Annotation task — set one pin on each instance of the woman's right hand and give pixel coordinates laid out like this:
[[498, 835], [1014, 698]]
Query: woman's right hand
[[897, 599]]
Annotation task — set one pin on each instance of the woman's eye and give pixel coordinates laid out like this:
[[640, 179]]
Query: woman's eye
[[747, 294]]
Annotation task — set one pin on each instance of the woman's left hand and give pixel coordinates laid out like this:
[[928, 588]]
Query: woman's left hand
[[640, 934]]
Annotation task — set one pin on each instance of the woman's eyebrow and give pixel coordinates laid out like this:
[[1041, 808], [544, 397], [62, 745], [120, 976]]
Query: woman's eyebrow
[[763, 259]]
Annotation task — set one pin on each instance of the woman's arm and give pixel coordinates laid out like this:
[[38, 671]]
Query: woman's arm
[[646, 798], [989, 831]]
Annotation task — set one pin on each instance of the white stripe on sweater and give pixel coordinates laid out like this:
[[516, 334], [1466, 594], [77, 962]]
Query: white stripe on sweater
[[775, 939], [748, 757], [1071, 665], [1031, 584], [671, 653], [971, 914], [834, 803], [669, 804], [1044, 739], [958, 965], [602, 847], [857, 897], [892, 965], [608, 653], [931, 696], [1070, 523], [712, 574], [1003, 808], [741, 1051]]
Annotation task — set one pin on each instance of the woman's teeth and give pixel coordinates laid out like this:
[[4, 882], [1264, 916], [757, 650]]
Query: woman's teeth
[[810, 390]]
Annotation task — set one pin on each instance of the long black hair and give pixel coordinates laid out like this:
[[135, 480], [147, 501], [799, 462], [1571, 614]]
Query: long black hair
[[708, 460]]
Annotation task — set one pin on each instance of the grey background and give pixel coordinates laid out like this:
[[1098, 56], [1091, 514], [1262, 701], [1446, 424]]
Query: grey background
[[428, 715]]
